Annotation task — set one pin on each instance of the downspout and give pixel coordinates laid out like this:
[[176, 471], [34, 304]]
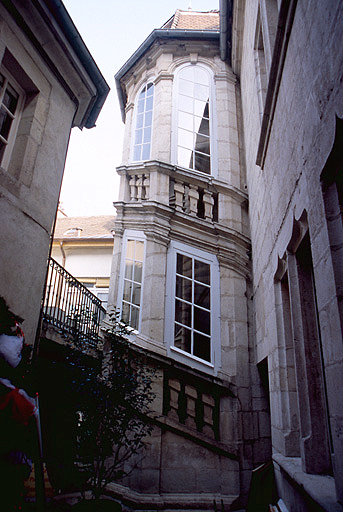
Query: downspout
[[223, 29], [63, 255]]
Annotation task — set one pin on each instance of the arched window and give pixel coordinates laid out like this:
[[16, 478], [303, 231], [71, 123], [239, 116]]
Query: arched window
[[194, 137], [143, 129]]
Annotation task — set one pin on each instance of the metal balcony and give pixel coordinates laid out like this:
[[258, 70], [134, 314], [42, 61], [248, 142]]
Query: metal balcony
[[71, 308]]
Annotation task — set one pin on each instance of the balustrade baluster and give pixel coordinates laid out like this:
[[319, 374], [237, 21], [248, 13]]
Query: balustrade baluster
[[193, 195], [208, 205], [179, 191], [133, 188]]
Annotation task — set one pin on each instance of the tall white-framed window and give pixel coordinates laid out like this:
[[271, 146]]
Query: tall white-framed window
[[143, 123], [193, 306], [194, 119], [131, 278], [11, 103]]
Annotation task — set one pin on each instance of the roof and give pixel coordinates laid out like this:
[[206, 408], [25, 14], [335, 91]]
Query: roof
[[97, 226], [193, 20]]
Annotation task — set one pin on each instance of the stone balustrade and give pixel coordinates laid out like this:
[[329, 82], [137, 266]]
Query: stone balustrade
[[193, 197], [191, 405]]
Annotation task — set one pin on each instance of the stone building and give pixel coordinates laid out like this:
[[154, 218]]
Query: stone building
[[288, 58], [239, 305], [84, 247], [180, 271], [49, 84]]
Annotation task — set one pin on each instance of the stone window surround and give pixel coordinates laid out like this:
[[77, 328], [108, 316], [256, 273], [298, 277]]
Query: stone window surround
[[172, 351], [130, 235], [194, 61], [29, 132]]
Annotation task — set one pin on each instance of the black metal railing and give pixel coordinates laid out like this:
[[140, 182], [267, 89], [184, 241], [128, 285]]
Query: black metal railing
[[71, 307]]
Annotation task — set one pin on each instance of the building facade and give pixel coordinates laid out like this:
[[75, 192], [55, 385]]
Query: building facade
[[84, 247], [288, 59], [238, 304], [181, 269], [49, 84]]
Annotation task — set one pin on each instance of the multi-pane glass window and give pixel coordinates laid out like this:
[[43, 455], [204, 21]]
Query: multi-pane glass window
[[193, 119], [143, 131], [132, 285], [192, 325], [9, 107]]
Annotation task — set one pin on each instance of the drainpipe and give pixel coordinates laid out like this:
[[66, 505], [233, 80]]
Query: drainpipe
[[223, 29], [63, 255]]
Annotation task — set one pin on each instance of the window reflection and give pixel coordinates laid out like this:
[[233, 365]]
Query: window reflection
[[133, 276], [193, 148], [143, 131]]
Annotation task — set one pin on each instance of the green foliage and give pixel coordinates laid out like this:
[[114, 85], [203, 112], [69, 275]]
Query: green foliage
[[113, 410]]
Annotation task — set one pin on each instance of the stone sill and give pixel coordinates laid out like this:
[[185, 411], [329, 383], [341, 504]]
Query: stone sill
[[321, 489]]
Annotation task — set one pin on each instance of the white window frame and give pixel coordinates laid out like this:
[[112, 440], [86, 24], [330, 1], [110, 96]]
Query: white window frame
[[212, 118], [175, 352], [4, 162], [134, 125], [138, 236]]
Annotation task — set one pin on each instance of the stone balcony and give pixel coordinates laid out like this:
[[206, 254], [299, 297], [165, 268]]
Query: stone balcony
[[185, 191]]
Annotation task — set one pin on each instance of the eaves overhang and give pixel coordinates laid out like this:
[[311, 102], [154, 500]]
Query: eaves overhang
[[61, 16], [156, 34], [53, 16]]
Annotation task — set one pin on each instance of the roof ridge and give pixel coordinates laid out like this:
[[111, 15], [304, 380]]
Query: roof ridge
[[176, 18]]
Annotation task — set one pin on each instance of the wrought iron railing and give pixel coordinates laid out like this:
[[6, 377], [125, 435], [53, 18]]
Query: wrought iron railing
[[71, 307]]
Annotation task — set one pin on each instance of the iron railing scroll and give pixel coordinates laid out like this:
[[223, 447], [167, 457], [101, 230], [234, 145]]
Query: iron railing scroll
[[71, 307]]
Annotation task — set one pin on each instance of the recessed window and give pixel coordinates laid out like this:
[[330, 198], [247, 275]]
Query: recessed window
[[130, 290], [143, 130], [11, 101], [192, 318], [194, 144]]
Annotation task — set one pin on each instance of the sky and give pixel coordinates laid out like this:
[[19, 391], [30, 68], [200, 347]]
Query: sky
[[112, 30]]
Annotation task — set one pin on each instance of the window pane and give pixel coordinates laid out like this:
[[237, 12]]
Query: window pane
[[148, 119], [149, 101], [134, 317], [139, 253], [138, 272], [200, 76], [139, 123], [137, 153], [186, 139], [127, 290], [138, 137], [140, 106], [202, 144], [202, 126], [202, 347], [128, 270], [182, 338], [130, 249], [150, 89], [186, 87], [146, 152], [201, 92], [5, 123], [11, 99], [202, 295], [183, 313], [184, 265], [147, 135], [183, 288], [186, 121], [125, 312], [188, 73], [202, 271], [202, 163], [202, 320], [136, 294], [201, 108], [184, 157], [185, 104]]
